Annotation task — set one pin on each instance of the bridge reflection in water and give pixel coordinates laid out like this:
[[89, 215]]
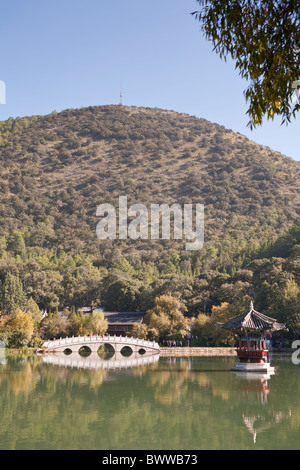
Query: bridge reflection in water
[[94, 361]]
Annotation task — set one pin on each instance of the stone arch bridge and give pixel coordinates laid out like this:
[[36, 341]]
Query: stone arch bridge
[[115, 344]]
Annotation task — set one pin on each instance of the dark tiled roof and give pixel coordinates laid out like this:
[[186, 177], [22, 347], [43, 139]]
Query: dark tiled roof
[[253, 320], [124, 318]]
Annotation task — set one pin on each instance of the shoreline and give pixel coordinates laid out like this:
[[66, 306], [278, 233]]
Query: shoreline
[[211, 352], [167, 351], [198, 351]]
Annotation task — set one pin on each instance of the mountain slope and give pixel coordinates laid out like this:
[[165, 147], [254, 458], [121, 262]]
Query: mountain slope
[[56, 169], [62, 166]]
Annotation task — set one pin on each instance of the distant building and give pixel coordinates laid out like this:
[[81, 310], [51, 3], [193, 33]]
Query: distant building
[[120, 323], [85, 310], [89, 309]]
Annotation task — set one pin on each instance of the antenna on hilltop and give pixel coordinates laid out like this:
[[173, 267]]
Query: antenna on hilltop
[[121, 95]]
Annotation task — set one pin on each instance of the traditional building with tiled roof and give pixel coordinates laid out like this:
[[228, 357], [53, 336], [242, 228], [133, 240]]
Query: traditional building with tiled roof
[[252, 351]]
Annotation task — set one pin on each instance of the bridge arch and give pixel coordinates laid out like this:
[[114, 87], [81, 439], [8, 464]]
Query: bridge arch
[[68, 351], [126, 351], [111, 343], [106, 351], [85, 351]]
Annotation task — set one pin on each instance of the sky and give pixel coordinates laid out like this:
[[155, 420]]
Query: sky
[[59, 54]]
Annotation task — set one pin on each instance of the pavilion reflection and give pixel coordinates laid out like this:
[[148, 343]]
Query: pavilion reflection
[[258, 417], [254, 386]]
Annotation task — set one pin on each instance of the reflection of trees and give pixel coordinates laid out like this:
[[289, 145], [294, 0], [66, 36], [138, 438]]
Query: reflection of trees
[[42, 397], [80, 377], [24, 378], [183, 403], [169, 385]]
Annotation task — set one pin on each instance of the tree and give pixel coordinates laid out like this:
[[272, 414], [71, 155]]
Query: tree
[[85, 324], [16, 243], [208, 330], [74, 323], [32, 308], [121, 292], [96, 323], [263, 38], [198, 328], [166, 317], [11, 294], [16, 330], [139, 330], [53, 326], [21, 321]]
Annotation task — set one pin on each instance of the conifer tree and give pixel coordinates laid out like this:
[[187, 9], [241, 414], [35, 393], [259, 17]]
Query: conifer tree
[[12, 295]]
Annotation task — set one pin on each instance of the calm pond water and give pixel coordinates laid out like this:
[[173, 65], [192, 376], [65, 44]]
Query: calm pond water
[[170, 404]]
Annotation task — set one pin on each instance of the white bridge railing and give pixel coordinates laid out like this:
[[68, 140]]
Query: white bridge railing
[[86, 340]]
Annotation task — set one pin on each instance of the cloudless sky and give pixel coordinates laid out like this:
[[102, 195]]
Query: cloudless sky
[[58, 54]]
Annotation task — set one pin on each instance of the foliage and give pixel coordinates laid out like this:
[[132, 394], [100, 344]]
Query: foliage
[[22, 321], [36, 341], [11, 294], [94, 324], [198, 328], [207, 329], [54, 326], [17, 339], [166, 317], [139, 330], [263, 39]]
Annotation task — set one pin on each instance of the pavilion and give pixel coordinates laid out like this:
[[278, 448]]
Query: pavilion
[[252, 351]]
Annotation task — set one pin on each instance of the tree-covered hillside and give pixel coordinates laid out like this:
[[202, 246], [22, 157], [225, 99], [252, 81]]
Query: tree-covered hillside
[[56, 169]]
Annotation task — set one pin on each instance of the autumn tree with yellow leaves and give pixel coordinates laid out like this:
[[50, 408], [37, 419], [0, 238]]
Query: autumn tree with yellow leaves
[[166, 318]]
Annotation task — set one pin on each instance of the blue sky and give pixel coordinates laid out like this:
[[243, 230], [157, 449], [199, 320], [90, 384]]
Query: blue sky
[[73, 53]]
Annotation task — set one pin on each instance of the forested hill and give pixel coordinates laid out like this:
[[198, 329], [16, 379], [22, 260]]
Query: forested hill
[[56, 170]]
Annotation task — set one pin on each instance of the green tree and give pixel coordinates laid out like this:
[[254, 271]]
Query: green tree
[[11, 294], [96, 323], [73, 323], [263, 38], [16, 243], [17, 339], [32, 308], [53, 326], [121, 292], [139, 330]]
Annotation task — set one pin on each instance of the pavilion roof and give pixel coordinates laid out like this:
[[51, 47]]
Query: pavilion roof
[[253, 320]]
